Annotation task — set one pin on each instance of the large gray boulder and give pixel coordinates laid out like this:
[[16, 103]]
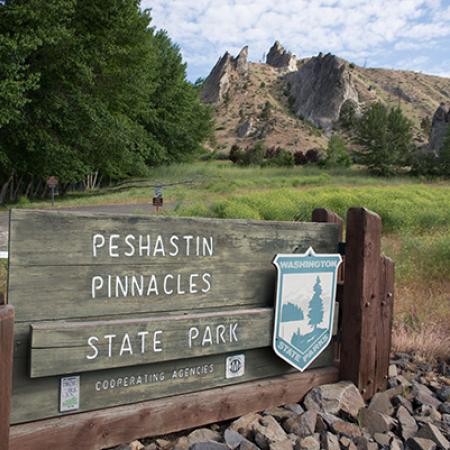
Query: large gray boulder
[[342, 397], [439, 128], [226, 71], [280, 58], [319, 89]]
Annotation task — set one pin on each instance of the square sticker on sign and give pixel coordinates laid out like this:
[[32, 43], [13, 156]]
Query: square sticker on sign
[[70, 394], [235, 366]]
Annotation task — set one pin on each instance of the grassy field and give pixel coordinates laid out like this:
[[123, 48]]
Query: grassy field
[[415, 214]]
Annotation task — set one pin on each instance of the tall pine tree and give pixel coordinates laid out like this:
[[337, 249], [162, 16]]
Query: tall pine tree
[[386, 139], [315, 314]]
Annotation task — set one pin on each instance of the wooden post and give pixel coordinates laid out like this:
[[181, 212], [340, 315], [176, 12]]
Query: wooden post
[[6, 360], [361, 305], [325, 215], [384, 328], [328, 216]]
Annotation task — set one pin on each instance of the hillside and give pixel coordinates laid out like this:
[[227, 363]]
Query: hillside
[[295, 103]]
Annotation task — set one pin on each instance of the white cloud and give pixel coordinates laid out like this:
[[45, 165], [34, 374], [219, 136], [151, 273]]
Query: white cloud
[[205, 29]]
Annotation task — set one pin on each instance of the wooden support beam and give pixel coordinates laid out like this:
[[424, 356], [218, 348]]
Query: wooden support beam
[[113, 426], [384, 328], [323, 215], [6, 359], [360, 312]]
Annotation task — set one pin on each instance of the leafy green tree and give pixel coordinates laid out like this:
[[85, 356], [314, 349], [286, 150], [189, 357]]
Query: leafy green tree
[[315, 314], [386, 139], [89, 87], [337, 153]]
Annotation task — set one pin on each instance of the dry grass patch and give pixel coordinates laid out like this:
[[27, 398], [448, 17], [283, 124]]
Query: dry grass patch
[[430, 342]]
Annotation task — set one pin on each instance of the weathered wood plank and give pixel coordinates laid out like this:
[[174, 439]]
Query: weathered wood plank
[[41, 238], [239, 272], [64, 348], [360, 310], [72, 347], [384, 328], [39, 398], [69, 294], [110, 427], [6, 370]]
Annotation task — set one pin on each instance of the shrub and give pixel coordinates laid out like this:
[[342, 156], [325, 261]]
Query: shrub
[[236, 154], [300, 158], [312, 156], [337, 153], [266, 112], [281, 158], [254, 155]]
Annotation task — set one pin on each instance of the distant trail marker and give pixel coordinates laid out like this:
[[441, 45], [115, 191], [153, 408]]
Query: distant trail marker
[[158, 198], [305, 304], [52, 182]]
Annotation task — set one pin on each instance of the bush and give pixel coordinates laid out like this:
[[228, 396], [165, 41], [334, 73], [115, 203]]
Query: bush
[[236, 154], [280, 158], [337, 153], [312, 156], [254, 155], [300, 158], [266, 112]]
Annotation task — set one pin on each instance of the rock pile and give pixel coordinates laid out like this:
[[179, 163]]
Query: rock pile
[[413, 414]]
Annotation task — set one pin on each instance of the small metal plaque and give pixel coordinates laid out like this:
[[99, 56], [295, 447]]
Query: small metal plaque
[[235, 366], [70, 394]]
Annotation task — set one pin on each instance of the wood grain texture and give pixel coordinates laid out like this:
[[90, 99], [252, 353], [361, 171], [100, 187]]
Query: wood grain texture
[[39, 399], [360, 311], [62, 348], [101, 429], [52, 263], [6, 369], [384, 328]]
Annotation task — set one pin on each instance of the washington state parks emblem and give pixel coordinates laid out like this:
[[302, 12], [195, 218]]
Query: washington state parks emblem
[[304, 310]]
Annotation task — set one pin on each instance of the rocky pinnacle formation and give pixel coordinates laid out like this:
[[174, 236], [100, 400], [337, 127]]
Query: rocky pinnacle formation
[[439, 128], [225, 72], [280, 58], [319, 89]]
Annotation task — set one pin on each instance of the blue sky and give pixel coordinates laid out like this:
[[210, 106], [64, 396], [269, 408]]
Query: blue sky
[[400, 34]]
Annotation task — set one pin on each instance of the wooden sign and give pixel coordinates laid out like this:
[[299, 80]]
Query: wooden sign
[[112, 310], [52, 182], [109, 315]]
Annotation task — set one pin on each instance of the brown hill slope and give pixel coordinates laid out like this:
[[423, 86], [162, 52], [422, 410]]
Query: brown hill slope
[[270, 103]]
